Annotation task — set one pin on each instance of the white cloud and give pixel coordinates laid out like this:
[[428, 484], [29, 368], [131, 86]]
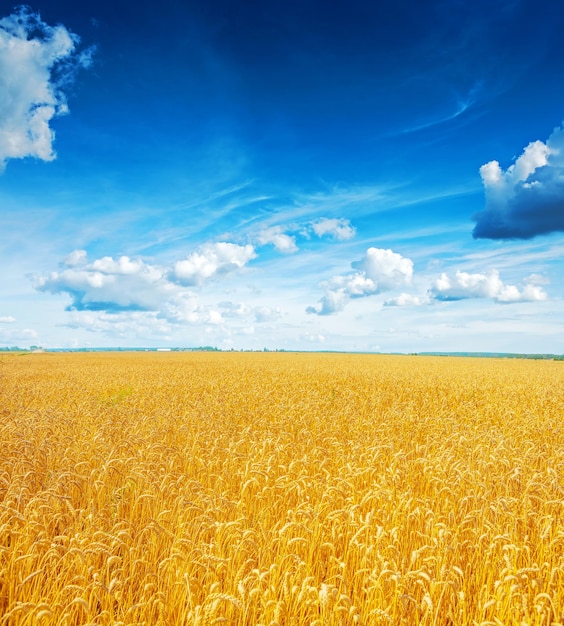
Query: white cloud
[[108, 284], [536, 279], [231, 309], [212, 259], [283, 237], [463, 285], [331, 302], [29, 95], [276, 236], [117, 287], [529, 293], [265, 314], [527, 199], [139, 325], [123, 266], [215, 318], [7, 319], [76, 257], [339, 229], [260, 314], [406, 299], [389, 269], [184, 308], [313, 337], [379, 270], [17, 336]]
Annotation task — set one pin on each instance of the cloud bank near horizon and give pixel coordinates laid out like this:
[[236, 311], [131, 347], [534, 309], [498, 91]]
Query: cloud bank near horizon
[[129, 297]]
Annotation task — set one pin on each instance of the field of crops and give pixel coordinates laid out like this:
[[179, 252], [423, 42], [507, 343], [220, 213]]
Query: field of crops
[[280, 489]]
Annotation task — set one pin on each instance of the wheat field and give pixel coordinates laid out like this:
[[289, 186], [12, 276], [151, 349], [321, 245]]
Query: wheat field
[[280, 489]]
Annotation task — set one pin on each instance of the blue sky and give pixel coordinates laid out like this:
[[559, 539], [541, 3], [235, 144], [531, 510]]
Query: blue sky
[[299, 175]]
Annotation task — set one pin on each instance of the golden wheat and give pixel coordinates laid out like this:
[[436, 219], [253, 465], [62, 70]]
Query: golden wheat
[[280, 489]]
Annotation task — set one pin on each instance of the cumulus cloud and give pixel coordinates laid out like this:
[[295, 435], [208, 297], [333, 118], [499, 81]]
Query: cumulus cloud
[[210, 260], [339, 229], [36, 62], [378, 271], [462, 286], [134, 293], [109, 284], [526, 199], [126, 284], [405, 299], [276, 236], [387, 268], [7, 319]]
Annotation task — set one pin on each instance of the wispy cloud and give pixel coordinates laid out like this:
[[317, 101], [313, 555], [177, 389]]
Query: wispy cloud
[[463, 104], [30, 51]]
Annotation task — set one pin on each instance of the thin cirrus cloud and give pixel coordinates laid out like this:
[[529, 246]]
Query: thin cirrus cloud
[[463, 285], [30, 52], [462, 105], [379, 270], [527, 199]]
